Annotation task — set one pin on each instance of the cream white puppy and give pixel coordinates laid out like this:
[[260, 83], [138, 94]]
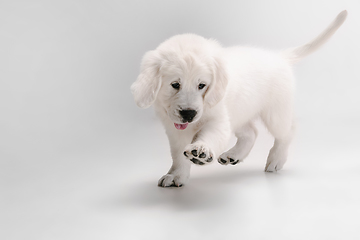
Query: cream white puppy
[[203, 93]]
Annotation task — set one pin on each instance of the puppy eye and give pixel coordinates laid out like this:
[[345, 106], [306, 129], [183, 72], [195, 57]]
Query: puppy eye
[[201, 86], [176, 85]]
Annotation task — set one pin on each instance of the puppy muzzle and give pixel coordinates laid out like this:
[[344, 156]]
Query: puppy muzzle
[[187, 115]]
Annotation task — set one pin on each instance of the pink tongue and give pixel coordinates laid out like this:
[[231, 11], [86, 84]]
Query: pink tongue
[[180, 126]]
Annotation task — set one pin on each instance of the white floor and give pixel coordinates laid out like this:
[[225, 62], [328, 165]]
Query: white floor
[[111, 192]]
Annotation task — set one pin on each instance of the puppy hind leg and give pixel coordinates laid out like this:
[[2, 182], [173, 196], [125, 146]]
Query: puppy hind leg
[[246, 137], [283, 132]]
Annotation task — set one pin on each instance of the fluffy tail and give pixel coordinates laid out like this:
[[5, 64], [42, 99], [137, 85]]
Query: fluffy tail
[[294, 55]]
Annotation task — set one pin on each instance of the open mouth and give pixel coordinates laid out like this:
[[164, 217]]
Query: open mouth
[[181, 126]]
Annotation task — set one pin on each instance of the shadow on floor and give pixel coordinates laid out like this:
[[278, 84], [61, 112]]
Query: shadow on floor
[[206, 192]]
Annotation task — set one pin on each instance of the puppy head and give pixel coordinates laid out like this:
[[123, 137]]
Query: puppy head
[[185, 75]]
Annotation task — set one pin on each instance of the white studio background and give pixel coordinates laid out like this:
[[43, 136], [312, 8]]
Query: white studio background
[[78, 159]]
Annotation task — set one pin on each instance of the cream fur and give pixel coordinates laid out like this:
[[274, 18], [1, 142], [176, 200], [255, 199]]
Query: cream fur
[[241, 85]]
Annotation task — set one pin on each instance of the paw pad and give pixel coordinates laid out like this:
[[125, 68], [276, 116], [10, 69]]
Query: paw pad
[[194, 160], [198, 154], [228, 160], [233, 162], [194, 153], [223, 161]]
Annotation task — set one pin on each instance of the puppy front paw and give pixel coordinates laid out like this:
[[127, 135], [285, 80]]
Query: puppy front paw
[[172, 180], [198, 153], [228, 158]]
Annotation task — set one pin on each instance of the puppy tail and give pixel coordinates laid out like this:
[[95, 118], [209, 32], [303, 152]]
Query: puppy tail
[[294, 55]]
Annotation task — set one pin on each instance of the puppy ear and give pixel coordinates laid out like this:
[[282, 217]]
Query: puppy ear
[[217, 89], [147, 85]]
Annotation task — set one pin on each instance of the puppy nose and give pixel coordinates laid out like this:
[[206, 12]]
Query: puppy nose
[[188, 115]]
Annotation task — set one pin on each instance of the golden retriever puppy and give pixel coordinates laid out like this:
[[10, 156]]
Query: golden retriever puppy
[[203, 93]]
